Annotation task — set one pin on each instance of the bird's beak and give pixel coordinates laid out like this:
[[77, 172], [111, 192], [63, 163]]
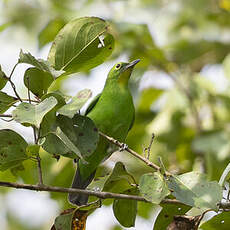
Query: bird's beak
[[132, 64]]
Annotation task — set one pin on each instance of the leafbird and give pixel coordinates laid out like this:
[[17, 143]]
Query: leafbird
[[113, 113]]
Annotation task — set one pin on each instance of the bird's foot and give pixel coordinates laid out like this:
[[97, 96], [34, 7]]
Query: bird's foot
[[123, 147]]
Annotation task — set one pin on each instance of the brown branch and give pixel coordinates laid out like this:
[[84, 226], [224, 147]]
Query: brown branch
[[12, 83], [101, 195], [6, 115], [135, 154]]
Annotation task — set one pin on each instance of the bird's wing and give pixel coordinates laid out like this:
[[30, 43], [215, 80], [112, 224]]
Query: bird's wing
[[131, 125], [92, 104]]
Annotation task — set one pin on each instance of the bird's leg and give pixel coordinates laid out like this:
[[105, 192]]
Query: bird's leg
[[123, 147]]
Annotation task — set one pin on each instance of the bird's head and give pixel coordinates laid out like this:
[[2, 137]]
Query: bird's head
[[122, 71]]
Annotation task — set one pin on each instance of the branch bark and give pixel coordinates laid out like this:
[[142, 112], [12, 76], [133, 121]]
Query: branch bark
[[135, 154], [101, 195]]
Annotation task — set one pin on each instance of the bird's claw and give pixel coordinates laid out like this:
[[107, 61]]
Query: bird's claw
[[123, 147]]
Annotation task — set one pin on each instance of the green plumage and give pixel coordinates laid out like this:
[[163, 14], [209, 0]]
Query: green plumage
[[113, 114]]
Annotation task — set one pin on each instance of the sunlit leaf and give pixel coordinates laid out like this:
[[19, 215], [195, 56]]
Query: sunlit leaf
[[12, 149], [75, 104], [79, 46], [153, 187], [38, 63], [192, 189], [33, 114]]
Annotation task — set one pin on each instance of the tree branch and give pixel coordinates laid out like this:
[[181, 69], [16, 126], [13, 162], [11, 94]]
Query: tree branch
[[6, 115], [101, 195], [135, 154], [12, 83]]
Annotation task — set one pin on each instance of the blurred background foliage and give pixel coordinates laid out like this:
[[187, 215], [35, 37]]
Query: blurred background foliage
[[181, 86]]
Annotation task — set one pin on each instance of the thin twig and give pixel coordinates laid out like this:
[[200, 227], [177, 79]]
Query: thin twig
[[14, 89], [150, 145], [36, 137], [145, 160], [12, 83]]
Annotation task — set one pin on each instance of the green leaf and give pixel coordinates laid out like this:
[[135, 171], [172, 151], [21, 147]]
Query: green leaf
[[167, 214], [120, 180], [75, 104], [192, 189], [32, 150], [17, 169], [125, 211], [6, 101], [50, 31], [225, 175], [64, 221], [72, 136], [221, 221], [66, 141], [3, 79], [12, 149], [33, 114], [77, 46], [38, 63], [87, 134], [37, 81], [153, 187]]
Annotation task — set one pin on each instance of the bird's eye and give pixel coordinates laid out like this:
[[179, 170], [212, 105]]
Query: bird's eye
[[118, 66]]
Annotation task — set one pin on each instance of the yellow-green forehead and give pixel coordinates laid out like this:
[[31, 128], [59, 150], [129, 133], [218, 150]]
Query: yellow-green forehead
[[119, 65]]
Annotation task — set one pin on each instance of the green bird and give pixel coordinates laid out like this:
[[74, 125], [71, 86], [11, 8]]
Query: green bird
[[113, 113]]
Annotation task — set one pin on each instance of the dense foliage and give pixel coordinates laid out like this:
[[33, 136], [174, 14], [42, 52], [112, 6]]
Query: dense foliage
[[189, 117]]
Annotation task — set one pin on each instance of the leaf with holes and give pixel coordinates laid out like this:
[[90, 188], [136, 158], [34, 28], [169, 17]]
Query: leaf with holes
[[33, 114], [41, 64], [153, 187], [87, 134], [12, 149], [192, 189], [75, 104], [81, 44], [37, 81], [72, 138], [6, 101]]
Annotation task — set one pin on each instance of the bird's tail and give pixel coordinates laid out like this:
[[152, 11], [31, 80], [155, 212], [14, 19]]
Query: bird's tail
[[78, 182]]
